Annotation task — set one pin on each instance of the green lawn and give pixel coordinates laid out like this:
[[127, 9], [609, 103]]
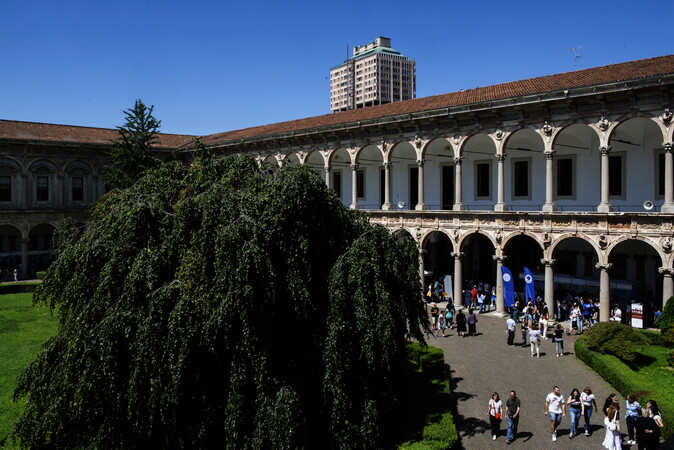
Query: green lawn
[[23, 329]]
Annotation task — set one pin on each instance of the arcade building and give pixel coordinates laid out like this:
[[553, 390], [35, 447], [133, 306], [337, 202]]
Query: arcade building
[[570, 175]]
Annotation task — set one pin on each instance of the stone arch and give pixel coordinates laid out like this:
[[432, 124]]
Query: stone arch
[[339, 161], [40, 239], [403, 157], [555, 242], [403, 233], [293, 158], [524, 171], [520, 252], [370, 160], [10, 248], [507, 239], [315, 160], [439, 171], [437, 255], [480, 172], [478, 249]]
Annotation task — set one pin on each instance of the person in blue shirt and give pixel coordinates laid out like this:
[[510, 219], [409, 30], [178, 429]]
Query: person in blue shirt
[[632, 412]]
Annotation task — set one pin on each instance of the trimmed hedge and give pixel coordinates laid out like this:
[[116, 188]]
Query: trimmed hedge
[[439, 432], [41, 275], [18, 288], [617, 339], [666, 320], [628, 381]]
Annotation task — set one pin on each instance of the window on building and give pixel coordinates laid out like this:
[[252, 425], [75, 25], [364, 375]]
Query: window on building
[[360, 183], [337, 183], [78, 189], [615, 175], [482, 179], [5, 188], [42, 192], [520, 178], [564, 177]]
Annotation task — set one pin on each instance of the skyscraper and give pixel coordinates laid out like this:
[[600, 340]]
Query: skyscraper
[[374, 75]]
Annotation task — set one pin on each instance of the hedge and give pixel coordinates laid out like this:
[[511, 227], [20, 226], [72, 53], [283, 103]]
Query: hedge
[[627, 381], [18, 288]]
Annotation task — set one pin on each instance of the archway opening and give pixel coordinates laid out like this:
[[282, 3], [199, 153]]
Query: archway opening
[[523, 251], [10, 251], [478, 261], [39, 249], [438, 260]]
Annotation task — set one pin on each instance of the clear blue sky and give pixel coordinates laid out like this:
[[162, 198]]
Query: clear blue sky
[[213, 66]]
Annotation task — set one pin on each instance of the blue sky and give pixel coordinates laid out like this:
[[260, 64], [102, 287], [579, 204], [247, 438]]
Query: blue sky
[[213, 66]]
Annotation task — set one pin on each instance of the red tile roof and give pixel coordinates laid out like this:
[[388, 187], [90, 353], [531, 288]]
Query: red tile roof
[[11, 130], [588, 77], [664, 65]]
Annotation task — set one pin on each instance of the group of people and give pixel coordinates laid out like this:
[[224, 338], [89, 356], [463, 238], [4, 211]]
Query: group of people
[[643, 425], [9, 273], [441, 320]]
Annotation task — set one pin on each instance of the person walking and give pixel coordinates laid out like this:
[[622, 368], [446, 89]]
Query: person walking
[[612, 423], [471, 318], [632, 413], [535, 340], [576, 409], [513, 406], [556, 409], [510, 330], [545, 316], [559, 340], [495, 414], [435, 311], [588, 402], [461, 323], [449, 316]]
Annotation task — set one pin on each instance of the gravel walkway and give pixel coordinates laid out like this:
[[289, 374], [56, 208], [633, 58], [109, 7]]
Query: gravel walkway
[[482, 364]]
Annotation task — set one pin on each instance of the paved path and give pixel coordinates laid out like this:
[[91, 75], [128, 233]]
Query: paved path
[[482, 364]]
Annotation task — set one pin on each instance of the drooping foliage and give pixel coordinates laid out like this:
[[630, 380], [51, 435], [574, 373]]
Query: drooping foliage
[[224, 306], [131, 154]]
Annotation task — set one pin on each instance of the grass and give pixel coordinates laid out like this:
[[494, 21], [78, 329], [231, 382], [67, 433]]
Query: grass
[[23, 329], [652, 380]]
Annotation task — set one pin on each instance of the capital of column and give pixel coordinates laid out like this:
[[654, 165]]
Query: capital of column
[[458, 160], [666, 271], [457, 255], [604, 267], [421, 162], [605, 149], [354, 166], [668, 146], [548, 262], [387, 164], [500, 157], [549, 154], [499, 258]]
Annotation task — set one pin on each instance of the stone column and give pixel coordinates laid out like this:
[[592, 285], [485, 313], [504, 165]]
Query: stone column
[[387, 187], [421, 205], [604, 293], [605, 205], [458, 279], [500, 307], [549, 295], [328, 177], [668, 206], [354, 187], [667, 285], [458, 190], [24, 258], [500, 202], [549, 182]]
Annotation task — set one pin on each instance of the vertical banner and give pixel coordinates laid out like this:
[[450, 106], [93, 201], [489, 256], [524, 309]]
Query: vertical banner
[[529, 286], [449, 290], [508, 287]]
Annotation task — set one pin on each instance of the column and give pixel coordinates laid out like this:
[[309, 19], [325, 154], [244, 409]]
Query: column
[[354, 187], [500, 307], [549, 183], [24, 258], [667, 285], [387, 187], [421, 205], [328, 177], [549, 295], [458, 279], [668, 206], [422, 277], [458, 192], [604, 206], [500, 202], [604, 293]]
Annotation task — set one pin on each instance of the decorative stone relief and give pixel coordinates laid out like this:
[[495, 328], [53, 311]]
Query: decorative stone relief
[[602, 240], [547, 129], [498, 134], [667, 116], [667, 244], [603, 123], [547, 240]]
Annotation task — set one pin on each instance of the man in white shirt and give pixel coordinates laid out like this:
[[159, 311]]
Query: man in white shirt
[[510, 329], [556, 409]]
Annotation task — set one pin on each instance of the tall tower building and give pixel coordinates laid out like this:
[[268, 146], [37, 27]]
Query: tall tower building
[[374, 75]]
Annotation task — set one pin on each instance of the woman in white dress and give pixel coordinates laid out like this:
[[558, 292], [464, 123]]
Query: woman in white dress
[[612, 422]]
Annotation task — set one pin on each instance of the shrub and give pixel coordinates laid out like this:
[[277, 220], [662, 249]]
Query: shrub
[[670, 360], [667, 338], [41, 275], [616, 339], [17, 288], [666, 320]]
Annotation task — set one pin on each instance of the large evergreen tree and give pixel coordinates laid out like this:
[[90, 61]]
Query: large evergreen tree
[[224, 306], [131, 154]]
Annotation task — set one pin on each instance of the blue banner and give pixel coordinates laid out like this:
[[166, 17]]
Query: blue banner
[[508, 287], [529, 289]]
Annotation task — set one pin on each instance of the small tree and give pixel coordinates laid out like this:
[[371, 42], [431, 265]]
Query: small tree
[[131, 153]]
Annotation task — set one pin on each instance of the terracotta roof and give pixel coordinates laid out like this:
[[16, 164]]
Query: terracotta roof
[[588, 77], [11, 130]]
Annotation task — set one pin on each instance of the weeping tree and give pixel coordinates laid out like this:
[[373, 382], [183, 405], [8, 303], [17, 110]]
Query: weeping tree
[[224, 305]]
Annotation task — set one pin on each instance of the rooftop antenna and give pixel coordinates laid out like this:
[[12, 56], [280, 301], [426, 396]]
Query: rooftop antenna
[[576, 55]]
